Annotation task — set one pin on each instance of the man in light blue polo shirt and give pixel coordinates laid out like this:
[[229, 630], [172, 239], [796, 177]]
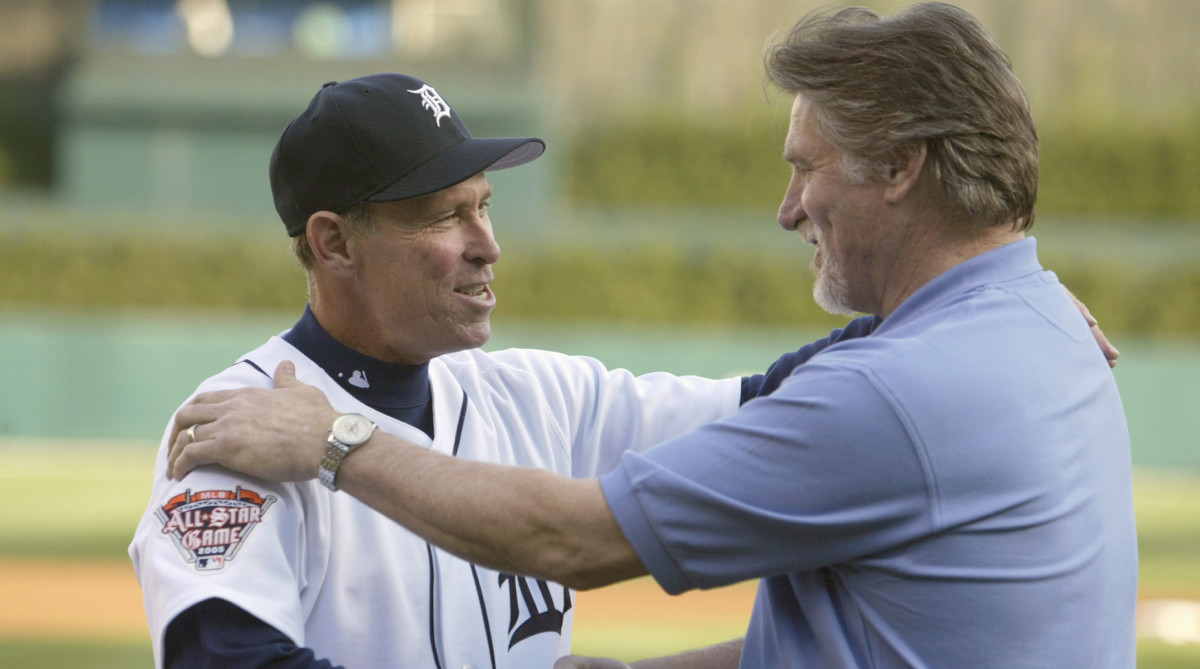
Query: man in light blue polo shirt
[[951, 489]]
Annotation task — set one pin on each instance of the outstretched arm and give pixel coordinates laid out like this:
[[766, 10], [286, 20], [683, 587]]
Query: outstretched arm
[[518, 520]]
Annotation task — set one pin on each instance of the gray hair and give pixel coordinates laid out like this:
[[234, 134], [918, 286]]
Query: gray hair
[[929, 74]]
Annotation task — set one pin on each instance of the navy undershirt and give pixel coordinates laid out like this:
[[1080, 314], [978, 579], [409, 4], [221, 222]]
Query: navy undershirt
[[216, 633], [765, 384], [400, 391]]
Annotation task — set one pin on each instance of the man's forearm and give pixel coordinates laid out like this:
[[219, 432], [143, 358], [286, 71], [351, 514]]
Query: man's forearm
[[519, 520], [721, 656], [511, 519]]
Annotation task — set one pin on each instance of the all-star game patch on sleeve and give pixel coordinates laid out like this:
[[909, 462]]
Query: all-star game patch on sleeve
[[215, 535], [208, 527]]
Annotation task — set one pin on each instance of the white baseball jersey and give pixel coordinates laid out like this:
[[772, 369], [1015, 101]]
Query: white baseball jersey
[[355, 587]]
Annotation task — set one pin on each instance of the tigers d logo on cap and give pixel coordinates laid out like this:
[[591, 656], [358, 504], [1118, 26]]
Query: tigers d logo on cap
[[434, 102]]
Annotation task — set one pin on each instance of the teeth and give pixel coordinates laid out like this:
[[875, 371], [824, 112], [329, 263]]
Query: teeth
[[473, 291]]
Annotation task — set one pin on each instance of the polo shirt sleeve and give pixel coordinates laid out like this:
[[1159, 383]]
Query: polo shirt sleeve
[[820, 472]]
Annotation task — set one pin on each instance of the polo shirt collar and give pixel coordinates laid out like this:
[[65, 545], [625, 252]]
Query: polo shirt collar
[[1000, 265]]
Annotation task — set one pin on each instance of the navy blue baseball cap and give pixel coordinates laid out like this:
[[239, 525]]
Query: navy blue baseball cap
[[379, 138]]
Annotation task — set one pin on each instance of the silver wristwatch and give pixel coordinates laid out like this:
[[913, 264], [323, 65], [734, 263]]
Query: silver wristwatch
[[349, 431]]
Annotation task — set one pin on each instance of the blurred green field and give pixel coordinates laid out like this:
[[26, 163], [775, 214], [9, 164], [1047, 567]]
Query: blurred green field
[[81, 500]]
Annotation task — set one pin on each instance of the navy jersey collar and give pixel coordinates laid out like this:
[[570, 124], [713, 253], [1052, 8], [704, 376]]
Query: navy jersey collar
[[382, 385]]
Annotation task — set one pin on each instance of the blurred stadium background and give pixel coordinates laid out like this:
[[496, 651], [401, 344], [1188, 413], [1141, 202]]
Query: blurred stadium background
[[140, 253]]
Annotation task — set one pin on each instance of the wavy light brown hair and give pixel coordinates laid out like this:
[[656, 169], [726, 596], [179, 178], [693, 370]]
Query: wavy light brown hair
[[929, 74]]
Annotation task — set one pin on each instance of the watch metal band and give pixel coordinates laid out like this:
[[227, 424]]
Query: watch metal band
[[335, 452]]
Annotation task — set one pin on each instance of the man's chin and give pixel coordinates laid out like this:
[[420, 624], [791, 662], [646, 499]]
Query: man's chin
[[463, 337], [830, 299], [478, 335]]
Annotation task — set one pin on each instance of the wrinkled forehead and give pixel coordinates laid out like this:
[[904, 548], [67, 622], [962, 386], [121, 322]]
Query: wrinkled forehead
[[804, 143]]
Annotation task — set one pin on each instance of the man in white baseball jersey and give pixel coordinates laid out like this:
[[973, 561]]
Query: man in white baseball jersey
[[382, 188]]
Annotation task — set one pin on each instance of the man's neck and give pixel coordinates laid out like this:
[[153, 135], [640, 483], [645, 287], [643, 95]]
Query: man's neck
[[349, 320], [934, 252]]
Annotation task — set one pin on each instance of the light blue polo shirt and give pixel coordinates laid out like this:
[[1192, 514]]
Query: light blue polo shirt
[[953, 490]]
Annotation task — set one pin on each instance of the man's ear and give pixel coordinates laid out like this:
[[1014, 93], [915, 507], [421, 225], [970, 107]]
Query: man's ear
[[329, 236], [902, 178]]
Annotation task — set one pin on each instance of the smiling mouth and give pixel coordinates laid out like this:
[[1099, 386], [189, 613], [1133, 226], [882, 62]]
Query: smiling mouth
[[817, 260], [808, 234], [478, 291]]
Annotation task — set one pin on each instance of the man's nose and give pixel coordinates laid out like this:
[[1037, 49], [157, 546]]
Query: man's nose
[[483, 247], [791, 210]]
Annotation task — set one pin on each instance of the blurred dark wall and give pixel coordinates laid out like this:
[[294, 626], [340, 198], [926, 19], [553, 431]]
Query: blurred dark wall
[[39, 41]]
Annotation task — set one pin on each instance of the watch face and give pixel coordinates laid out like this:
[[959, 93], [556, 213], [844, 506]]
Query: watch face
[[352, 429]]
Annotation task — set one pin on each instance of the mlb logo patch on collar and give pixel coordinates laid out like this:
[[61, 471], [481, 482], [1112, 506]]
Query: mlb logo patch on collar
[[209, 526]]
